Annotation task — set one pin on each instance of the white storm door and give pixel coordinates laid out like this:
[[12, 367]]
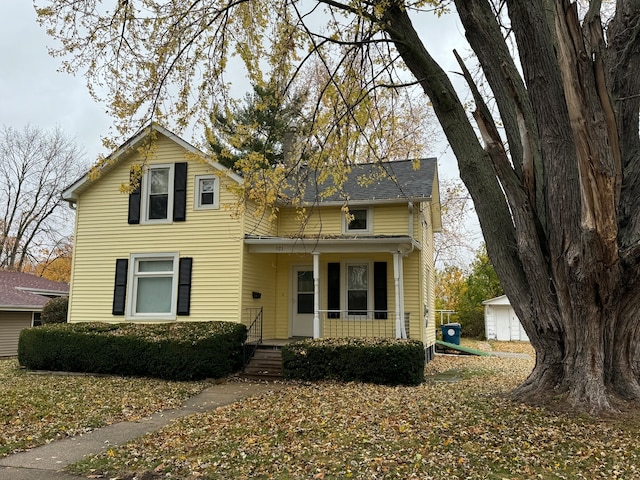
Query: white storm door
[[302, 323]]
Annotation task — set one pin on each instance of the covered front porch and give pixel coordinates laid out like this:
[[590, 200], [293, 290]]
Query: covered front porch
[[340, 286]]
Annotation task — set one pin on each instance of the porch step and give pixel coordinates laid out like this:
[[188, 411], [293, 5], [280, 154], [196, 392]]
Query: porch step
[[266, 364]]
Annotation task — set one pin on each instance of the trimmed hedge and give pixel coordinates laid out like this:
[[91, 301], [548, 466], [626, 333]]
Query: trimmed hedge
[[172, 351], [379, 360]]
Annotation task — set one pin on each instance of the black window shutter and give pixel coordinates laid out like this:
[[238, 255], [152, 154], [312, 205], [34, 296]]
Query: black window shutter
[[380, 290], [180, 192], [333, 289], [120, 288], [184, 286], [134, 202]]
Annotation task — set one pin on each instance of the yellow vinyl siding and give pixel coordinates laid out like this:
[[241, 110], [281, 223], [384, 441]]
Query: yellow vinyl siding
[[412, 296], [310, 221], [11, 324], [428, 274], [391, 220], [387, 220], [259, 275], [211, 237]]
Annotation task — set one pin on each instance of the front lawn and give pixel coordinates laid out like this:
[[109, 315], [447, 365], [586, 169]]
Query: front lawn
[[460, 424], [38, 408]]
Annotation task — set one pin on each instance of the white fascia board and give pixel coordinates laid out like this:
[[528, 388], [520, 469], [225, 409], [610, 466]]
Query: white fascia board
[[20, 308], [359, 203], [403, 244]]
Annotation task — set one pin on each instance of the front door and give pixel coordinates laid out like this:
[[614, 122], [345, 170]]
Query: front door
[[302, 324]]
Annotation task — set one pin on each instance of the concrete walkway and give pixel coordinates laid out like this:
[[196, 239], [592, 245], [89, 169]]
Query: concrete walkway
[[48, 461]]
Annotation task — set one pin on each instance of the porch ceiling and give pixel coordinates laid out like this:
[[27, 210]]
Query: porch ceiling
[[335, 244]]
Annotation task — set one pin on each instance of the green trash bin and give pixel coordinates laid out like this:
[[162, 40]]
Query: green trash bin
[[451, 333]]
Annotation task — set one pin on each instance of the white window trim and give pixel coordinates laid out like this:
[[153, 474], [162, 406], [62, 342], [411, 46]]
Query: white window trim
[[216, 192], [146, 190], [345, 289], [345, 222], [132, 286]]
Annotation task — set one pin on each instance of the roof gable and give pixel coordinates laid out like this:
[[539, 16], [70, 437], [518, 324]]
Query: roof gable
[[18, 289], [501, 300], [71, 193]]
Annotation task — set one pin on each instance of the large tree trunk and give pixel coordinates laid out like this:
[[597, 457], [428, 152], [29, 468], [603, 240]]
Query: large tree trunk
[[555, 205]]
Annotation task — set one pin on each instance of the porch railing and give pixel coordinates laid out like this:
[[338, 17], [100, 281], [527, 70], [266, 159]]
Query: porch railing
[[254, 334], [360, 324]]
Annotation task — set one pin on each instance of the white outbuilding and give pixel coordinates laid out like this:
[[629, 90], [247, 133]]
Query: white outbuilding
[[501, 321]]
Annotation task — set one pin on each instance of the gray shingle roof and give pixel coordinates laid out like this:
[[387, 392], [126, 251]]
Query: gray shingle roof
[[383, 181], [19, 289]]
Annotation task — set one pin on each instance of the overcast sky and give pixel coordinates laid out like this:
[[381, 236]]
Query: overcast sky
[[32, 91]]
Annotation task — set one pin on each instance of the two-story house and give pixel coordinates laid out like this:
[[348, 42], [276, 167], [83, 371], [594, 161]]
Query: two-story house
[[170, 250]]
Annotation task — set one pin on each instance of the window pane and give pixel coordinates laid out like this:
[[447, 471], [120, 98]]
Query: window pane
[[357, 277], [154, 295], [158, 207], [305, 303], [357, 302], [359, 221], [155, 266], [305, 281], [159, 180], [206, 185], [206, 198]]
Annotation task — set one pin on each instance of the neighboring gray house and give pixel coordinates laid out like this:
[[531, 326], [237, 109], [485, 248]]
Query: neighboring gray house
[[501, 321], [22, 296]]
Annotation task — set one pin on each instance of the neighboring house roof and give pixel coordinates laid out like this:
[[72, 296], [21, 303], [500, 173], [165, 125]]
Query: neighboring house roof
[[26, 291], [70, 194]]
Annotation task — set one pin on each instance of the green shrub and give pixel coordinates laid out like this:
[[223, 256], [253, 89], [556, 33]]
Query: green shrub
[[55, 310], [472, 323], [173, 351], [382, 361]]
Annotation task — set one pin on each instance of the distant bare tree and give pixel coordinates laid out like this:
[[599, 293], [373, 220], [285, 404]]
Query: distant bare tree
[[35, 166], [456, 244]]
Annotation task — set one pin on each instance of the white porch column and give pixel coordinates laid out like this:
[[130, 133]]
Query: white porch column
[[403, 326], [316, 294], [398, 278]]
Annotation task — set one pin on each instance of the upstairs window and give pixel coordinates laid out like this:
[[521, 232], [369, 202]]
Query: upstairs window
[[159, 179], [161, 196], [206, 192], [158, 193], [357, 220]]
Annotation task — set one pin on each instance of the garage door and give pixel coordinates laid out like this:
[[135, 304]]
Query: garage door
[[11, 323]]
